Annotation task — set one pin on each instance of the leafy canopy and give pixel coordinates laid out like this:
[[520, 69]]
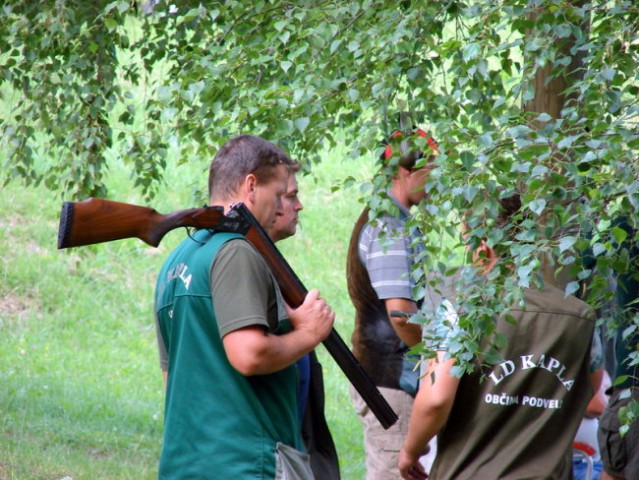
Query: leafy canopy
[[85, 80]]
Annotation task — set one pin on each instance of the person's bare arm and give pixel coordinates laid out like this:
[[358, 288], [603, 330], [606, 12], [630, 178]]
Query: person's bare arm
[[598, 401], [430, 411], [409, 333], [254, 351]]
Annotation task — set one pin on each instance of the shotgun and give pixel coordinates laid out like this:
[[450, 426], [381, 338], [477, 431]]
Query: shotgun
[[97, 220]]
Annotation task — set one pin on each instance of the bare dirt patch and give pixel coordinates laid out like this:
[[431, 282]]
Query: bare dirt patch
[[13, 310]]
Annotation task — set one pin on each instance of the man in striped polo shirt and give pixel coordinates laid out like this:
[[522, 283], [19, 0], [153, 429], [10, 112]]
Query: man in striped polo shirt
[[380, 259]]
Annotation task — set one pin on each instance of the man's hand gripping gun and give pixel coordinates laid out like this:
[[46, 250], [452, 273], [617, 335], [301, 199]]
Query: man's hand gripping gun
[[96, 221]]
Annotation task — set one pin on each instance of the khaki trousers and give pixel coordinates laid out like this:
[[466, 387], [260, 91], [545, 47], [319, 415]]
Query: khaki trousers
[[383, 446]]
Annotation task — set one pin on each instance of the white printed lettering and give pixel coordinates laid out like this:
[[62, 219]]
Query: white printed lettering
[[508, 368], [526, 362], [179, 271], [552, 364]]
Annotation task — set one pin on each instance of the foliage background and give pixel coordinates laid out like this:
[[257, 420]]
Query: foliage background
[[83, 80]]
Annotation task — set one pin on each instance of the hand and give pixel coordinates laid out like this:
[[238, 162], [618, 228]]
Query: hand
[[314, 316], [410, 468]]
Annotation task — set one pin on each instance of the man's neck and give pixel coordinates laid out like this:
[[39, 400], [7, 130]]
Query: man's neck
[[226, 204], [400, 195]]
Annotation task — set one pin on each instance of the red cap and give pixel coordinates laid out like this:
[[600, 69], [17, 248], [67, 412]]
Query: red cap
[[431, 142]]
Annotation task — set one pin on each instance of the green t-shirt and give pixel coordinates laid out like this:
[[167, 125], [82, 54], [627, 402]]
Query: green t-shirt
[[219, 423]]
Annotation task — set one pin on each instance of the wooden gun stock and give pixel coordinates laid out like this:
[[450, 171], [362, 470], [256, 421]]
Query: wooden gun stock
[[96, 220]]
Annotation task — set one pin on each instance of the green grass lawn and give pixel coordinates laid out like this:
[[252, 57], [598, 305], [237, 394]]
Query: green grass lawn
[[81, 393]]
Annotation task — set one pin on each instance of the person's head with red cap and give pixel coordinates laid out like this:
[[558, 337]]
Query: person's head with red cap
[[402, 150]]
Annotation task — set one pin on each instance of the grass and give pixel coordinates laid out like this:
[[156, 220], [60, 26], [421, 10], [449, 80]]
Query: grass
[[81, 394]]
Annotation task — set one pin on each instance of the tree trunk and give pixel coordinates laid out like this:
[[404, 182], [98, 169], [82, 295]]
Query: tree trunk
[[550, 97]]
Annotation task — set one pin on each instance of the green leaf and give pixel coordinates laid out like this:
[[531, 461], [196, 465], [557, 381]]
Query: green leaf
[[281, 25], [189, 16], [110, 23], [598, 249], [627, 332], [537, 206], [566, 242], [519, 131], [302, 123], [620, 380], [544, 117], [493, 357], [620, 234], [523, 273], [563, 30], [571, 288], [539, 171], [471, 51], [567, 142], [468, 160], [285, 36]]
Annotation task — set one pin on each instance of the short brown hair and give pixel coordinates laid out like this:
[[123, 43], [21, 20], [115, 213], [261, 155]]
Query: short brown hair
[[509, 206], [242, 156]]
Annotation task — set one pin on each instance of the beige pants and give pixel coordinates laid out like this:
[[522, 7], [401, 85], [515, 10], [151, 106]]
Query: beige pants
[[383, 446]]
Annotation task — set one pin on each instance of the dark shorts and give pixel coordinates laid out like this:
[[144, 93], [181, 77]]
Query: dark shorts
[[619, 454]]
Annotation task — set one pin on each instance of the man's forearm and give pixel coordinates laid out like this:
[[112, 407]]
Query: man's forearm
[[409, 333], [399, 312], [425, 423], [253, 351], [432, 405]]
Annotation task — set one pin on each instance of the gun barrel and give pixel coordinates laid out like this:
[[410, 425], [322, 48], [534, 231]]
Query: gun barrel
[[294, 293]]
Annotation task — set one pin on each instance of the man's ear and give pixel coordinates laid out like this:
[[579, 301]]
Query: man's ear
[[248, 188], [489, 257], [490, 252]]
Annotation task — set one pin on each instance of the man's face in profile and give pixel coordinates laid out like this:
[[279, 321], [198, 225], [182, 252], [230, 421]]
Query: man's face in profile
[[286, 225]]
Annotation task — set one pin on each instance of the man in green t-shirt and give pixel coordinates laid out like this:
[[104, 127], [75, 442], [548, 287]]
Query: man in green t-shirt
[[232, 344]]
